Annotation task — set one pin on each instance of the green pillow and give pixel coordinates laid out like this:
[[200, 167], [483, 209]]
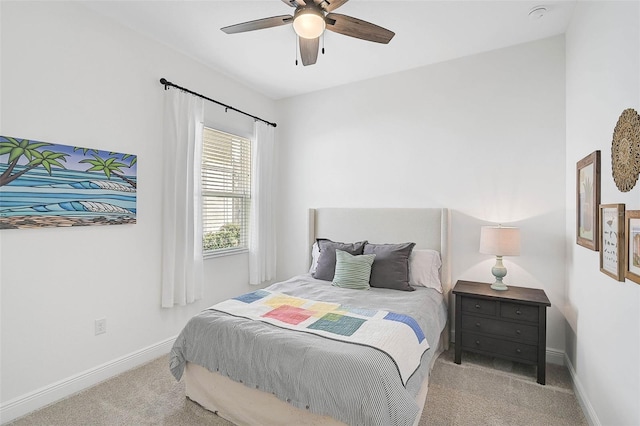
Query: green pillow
[[352, 271]]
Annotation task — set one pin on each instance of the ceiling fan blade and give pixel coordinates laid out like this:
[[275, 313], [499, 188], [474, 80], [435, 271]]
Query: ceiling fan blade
[[354, 27], [309, 50], [295, 3], [258, 24], [329, 5]]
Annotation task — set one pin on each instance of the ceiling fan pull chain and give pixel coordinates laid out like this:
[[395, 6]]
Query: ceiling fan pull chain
[[323, 43]]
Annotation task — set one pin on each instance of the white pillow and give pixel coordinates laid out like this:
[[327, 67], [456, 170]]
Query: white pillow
[[315, 255], [424, 269]]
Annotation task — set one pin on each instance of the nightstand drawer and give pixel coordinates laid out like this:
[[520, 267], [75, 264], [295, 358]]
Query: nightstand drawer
[[499, 347], [519, 312], [502, 328], [479, 306]]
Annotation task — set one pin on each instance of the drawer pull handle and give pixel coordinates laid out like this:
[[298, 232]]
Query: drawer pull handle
[[518, 312], [477, 306], [478, 342], [518, 332], [478, 324], [518, 351]]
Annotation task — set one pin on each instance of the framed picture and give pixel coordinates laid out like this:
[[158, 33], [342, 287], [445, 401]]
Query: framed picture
[[632, 236], [612, 242], [46, 184], [588, 200]]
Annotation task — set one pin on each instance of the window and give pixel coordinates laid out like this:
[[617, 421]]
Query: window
[[226, 191]]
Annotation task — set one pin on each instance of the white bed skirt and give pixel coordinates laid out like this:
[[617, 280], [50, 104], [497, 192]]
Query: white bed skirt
[[243, 405]]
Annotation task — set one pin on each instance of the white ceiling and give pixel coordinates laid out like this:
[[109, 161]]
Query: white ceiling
[[427, 32]]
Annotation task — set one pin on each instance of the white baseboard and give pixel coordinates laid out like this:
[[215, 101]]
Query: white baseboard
[[555, 356], [583, 400], [49, 394]]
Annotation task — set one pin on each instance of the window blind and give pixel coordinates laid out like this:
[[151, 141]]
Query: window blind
[[226, 190]]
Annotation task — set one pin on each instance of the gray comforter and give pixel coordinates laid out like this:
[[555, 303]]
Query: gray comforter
[[355, 384]]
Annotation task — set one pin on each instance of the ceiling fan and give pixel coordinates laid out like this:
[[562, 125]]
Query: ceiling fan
[[310, 19]]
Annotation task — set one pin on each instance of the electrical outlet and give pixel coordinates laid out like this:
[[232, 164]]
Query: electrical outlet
[[101, 326]]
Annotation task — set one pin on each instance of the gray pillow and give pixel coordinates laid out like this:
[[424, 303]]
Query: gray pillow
[[390, 269], [326, 268]]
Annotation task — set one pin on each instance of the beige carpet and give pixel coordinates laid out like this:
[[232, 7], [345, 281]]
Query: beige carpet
[[480, 391], [489, 391]]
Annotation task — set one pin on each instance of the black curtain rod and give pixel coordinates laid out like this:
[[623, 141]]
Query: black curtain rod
[[166, 85]]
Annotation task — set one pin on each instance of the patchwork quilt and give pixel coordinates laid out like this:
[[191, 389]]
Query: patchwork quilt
[[397, 335]]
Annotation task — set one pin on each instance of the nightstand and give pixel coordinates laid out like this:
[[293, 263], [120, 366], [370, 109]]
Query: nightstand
[[509, 324]]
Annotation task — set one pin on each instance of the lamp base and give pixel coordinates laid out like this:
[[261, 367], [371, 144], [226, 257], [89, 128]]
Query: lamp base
[[499, 285], [499, 271]]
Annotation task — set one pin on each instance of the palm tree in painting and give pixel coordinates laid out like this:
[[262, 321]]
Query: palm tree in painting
[[110, 166], [19, 148]]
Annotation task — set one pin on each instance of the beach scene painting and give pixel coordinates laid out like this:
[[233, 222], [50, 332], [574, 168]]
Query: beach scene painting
[[52, 185]]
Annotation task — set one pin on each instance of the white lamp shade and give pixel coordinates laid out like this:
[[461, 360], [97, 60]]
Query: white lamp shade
[[309, 24], [500, 241]]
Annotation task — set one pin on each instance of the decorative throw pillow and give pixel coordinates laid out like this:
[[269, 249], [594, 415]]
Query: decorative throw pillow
[[327, 260], [391, 267], [424, 269], [352, 271]]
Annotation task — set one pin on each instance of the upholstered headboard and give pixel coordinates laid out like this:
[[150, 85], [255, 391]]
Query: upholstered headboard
[[428, 228]]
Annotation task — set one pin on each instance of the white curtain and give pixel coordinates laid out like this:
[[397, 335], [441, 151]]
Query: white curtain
[[262, 241], [182, 265]]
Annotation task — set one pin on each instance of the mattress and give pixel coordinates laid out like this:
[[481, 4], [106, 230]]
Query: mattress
[[350, 383]]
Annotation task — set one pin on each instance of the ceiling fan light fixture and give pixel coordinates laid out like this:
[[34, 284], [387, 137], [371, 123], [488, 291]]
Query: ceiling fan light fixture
[[309, 23]]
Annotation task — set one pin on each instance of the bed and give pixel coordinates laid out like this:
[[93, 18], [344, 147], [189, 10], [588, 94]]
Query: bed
[[256, 372]]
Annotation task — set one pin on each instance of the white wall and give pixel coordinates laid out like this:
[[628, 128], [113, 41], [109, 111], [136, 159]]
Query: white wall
[[72, 77], [603, 336], [482, 135]]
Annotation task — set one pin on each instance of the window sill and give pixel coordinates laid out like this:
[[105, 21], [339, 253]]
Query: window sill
[[224, 252]]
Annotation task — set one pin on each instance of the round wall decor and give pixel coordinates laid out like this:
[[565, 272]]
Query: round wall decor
[[625, 150]]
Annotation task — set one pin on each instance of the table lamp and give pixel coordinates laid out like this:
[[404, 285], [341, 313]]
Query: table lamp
[[499, 241]]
